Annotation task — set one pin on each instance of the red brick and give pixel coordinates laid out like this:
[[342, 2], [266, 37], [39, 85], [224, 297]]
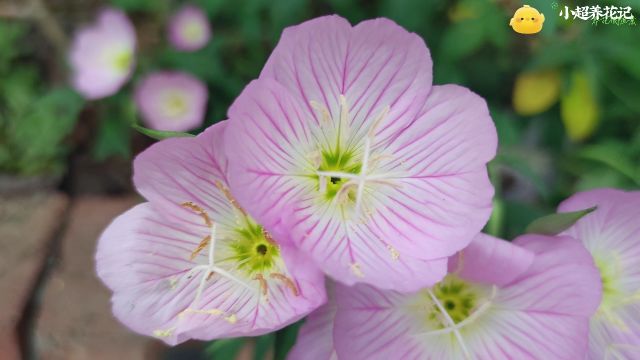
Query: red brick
[[27, 224]]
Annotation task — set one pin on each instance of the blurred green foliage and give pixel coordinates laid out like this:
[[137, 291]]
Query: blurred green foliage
[[34, 119]]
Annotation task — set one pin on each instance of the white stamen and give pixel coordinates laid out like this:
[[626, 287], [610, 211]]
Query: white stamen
[[337, 174], [452, 324], [323, 183], [363, 175]]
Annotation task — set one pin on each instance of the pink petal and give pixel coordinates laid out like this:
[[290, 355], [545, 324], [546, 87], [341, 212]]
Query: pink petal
[[315, 338], [490, 260], [369, 325], [440, 159], [178, 170], [562, 280], [374, 64]]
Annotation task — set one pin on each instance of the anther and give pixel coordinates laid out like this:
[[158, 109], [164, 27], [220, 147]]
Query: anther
[[230, 197], [267, 236], [200, 211], [288, 282], [395, 255], [263, 283], [322, 109], [203, 244], [355, 269]]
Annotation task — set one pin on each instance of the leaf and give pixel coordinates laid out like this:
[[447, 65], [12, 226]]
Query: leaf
[[579, 108], [556, 223], [285, 339], [536, 91], [158, 134], [225, 348]]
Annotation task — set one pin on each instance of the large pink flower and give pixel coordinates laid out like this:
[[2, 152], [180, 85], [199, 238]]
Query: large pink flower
[[102, 55], [612, 235], [382, 176], [191, 263], [528, 300]]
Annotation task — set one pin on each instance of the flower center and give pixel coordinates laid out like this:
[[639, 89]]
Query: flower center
[[252, 251], [458, 298], [342, 163], [450, 306], [122, 60], [174, 104], [193, 31]]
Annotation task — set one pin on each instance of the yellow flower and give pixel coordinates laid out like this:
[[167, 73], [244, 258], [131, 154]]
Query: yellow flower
[[579, 108], [535, 92]]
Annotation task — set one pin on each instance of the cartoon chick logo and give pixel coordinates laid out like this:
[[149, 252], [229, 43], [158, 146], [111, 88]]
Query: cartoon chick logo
[[527, 20]]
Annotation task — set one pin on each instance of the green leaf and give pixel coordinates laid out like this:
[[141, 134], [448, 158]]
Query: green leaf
[[225, 348], [285, 339], [556, 223], [159, 135]]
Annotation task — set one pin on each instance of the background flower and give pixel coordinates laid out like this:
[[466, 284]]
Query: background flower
[[384, 174], [612, 235], [172, 101], [189, 29], [102, 55], [190, 263]]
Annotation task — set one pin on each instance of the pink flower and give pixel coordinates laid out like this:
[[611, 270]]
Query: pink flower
[[383, 175], [190, 263], [528, 300], [612, 235], [189, 29], [102, 55], [172, 101]]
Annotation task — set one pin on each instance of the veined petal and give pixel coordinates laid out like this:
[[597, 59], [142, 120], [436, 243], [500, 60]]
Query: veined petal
[[374, 64], [178, 170], [562, 280], [490, 260], [439, 160]]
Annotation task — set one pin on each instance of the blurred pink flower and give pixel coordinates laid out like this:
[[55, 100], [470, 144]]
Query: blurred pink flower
[[190, 263], [189, 29], [102, 55], [528, 300], [382, 174], [172, 101], [612, 235]]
